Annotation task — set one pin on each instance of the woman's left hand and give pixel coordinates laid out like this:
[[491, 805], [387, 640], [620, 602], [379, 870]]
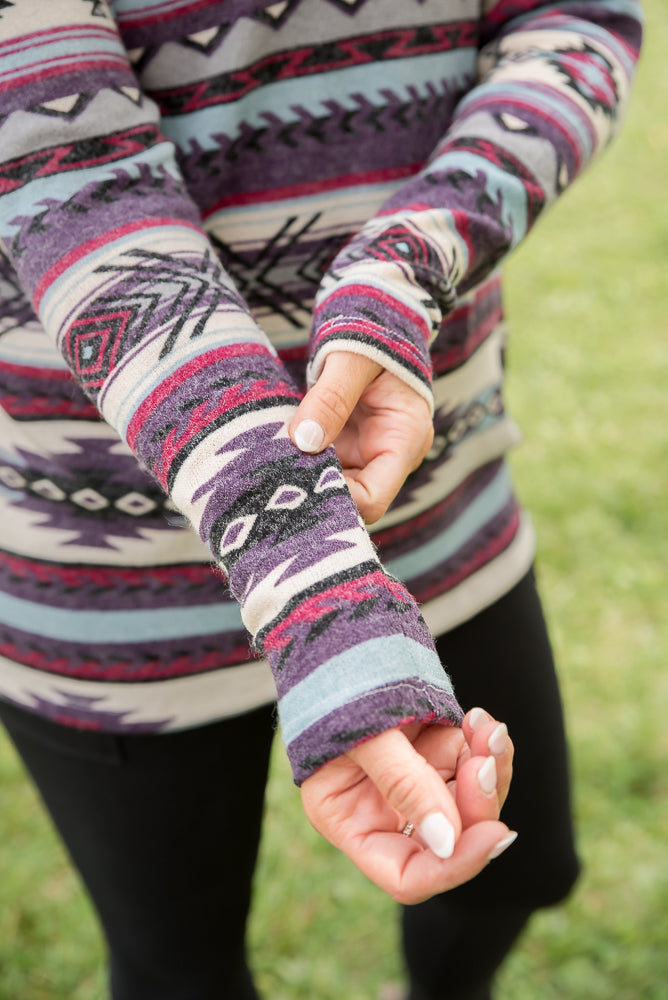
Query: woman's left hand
[[380, 427], [448, 783]]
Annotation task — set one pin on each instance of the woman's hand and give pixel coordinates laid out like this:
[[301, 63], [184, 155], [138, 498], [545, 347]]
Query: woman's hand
[[380, 427], [448, 783]]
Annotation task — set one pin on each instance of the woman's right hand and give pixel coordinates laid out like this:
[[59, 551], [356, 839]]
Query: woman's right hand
[[448, 783]]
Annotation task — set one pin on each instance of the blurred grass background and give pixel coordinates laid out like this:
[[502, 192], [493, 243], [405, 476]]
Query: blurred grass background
[[588, 384]]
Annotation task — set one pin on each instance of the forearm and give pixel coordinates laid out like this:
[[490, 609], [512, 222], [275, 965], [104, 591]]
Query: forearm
[[553, 84]]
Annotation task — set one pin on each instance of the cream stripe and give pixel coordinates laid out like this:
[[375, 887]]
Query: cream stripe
[[183, 702]]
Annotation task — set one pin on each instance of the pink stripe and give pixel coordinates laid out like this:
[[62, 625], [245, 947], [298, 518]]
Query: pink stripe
[[177, 378], [404, 349], [48, 34], [370, 292], [29, 371], [91, 246], [316, 187], [43, 74]]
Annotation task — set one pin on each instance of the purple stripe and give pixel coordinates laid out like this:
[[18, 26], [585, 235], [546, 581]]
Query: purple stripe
[[68, 81], [478, 550], [83, 712], [402, 540], [337, 144], [341, 625], [176, 25], [120, 662], [376, 712], [116, 589], [100, 207]]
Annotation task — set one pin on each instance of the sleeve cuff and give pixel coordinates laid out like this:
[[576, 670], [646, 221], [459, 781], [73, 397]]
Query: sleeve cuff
[[339, 704]]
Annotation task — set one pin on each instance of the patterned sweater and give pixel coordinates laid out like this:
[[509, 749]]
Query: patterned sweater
[[199, 199]]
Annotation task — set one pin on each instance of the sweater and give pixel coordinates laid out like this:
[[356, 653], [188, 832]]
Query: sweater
[[199, 200]]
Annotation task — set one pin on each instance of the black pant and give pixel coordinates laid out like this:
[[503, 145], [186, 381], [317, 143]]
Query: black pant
[[502, 661], [151, 822]]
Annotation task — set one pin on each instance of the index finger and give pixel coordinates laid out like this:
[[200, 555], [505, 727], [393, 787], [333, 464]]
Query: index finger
[[374, 487]]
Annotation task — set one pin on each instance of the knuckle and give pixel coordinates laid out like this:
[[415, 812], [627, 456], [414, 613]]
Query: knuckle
[[333, 400], [402, 788]]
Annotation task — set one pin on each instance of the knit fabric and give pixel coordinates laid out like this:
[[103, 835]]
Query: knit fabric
[[182, 186]]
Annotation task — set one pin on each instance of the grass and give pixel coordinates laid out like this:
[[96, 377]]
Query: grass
[[588, 372]]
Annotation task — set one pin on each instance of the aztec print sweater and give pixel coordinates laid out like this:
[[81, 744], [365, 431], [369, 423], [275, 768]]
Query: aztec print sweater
[[187, 187]]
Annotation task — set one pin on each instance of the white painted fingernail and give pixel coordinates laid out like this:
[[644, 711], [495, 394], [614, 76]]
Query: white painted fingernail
[[501, 846], [439, 834], [498, 741], [487, 776], [477, 718], [309, 436]]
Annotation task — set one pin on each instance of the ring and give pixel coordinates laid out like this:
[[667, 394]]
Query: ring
[[408, 830]]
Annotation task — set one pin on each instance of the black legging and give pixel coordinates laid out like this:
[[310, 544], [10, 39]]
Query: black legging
[[152, 824], [501, 660]]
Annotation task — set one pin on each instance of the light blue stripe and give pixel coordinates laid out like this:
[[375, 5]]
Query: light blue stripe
[[60, 187], [125, 8], [478, 513], [42, 357], [373, 664], [314, 93], [118, 626]]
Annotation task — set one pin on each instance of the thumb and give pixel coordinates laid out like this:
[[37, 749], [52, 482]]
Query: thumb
[[325, 408], [409, 783]]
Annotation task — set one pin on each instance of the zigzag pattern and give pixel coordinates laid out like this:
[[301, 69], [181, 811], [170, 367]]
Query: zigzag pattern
[[150, 290], [57, 228], [494, 154], [339, 123], [108, 586], [314, 59], [263, 275], [205, 397], [77, 155], [337, 607]]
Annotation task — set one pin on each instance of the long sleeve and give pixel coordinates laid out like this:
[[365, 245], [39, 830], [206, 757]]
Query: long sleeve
[[553, 82], [99, 226]]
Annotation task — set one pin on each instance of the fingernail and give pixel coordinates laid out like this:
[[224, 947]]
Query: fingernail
[[502, 845], [487, 776], [439, 834], [309, 436], [498, 741], [477, 718]]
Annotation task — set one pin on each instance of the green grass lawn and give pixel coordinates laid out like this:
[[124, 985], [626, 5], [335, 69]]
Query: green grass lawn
[[589, 368]]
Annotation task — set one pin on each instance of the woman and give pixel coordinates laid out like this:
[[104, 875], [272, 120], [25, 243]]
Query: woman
[[187, 188]]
